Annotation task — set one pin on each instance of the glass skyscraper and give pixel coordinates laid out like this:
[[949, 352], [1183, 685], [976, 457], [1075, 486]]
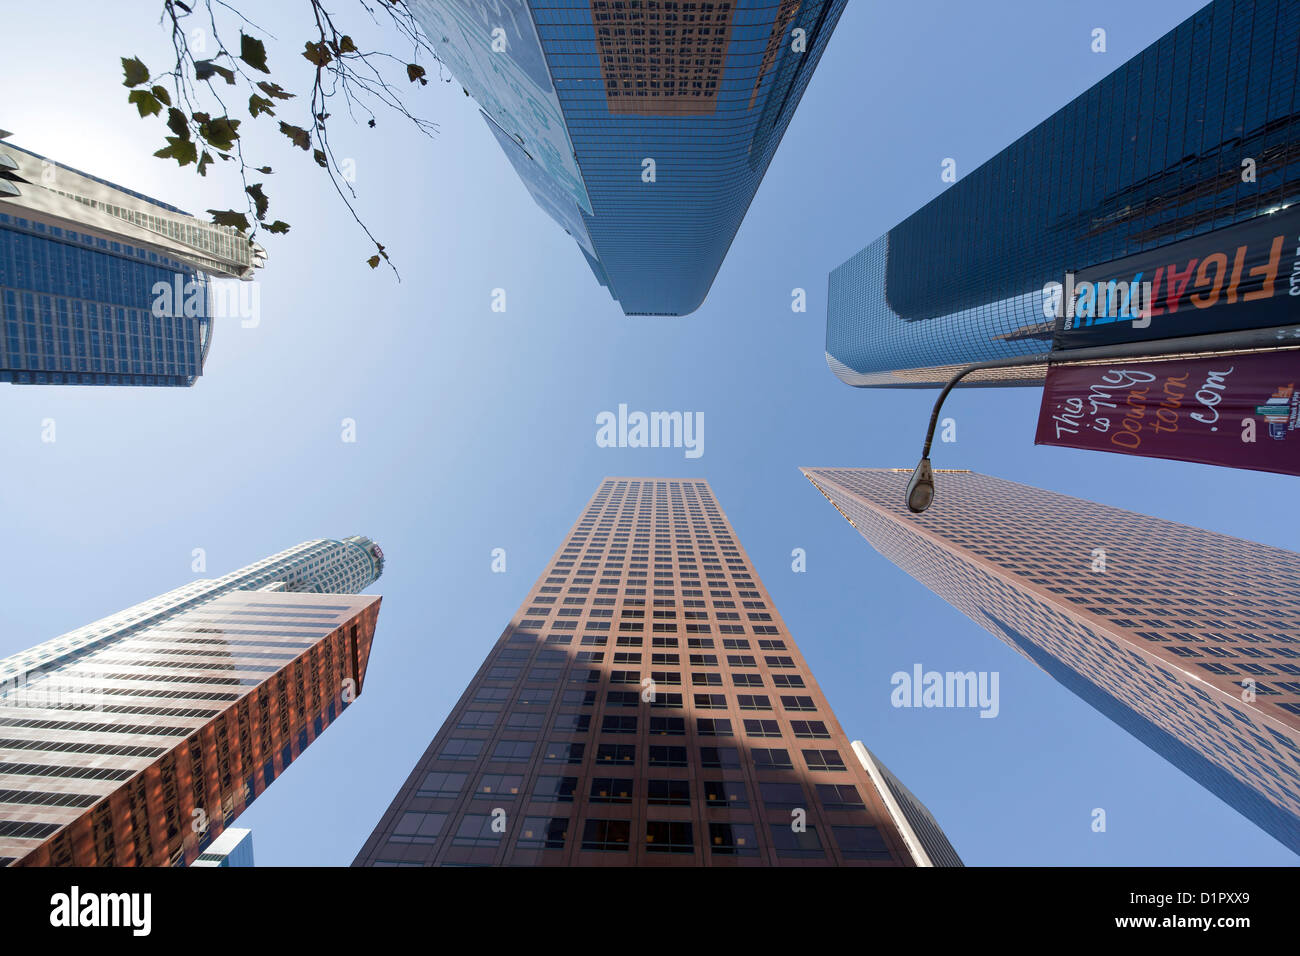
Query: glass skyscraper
[[642, 126], [138, 739], [1187, 639], [1151, 155], [100, 285], [647, 706]]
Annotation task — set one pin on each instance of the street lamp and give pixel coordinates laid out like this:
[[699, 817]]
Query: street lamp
[[920, 488]]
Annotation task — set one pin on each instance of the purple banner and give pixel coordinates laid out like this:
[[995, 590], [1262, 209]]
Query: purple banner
[[1240, 411]]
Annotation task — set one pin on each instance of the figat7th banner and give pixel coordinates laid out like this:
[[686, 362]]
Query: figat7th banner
[[1240, 411], [1245, 276]]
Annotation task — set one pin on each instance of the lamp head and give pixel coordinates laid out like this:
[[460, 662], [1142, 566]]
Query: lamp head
[[920, 488]]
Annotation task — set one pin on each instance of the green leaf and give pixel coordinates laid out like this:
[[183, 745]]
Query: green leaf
[[264, 170], [228, 217], [221, 132], [373, 262], [275, 91], [135, 71], [319, 156], [204, 162], [317, 53], [253, 52], [279, 227], [181, 150], [415, 72], [145, 102], [206, 69], [346, 45], [300, 137], [257, 105], [260, 202], [162, 95], [178, 123]]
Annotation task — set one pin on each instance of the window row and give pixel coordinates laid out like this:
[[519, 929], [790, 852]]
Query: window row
[[521, 751], [657, 726], [660, 836], [718, 794]]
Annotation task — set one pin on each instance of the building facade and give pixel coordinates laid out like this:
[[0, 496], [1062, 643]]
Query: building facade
[[1153, 154], [643, 127], [925, 839], [1187, 639], [100, 285], [233, 848], [138, 739], [645, 706]]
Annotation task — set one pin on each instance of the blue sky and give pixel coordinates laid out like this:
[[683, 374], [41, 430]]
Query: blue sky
[[476, 430]]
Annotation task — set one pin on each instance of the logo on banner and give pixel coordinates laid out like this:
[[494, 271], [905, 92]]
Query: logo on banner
[[1281, 412]]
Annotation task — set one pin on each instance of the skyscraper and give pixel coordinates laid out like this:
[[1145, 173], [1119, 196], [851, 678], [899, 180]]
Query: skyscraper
[[100, 285], [1199, 131], [646, 705], [642, 127], [926, 841], [1188, 639], [233, 848], [137, 739]]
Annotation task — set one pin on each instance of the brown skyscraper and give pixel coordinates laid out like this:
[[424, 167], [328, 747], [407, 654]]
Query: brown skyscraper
[[645, 706], [137, 739], [1188, 639]]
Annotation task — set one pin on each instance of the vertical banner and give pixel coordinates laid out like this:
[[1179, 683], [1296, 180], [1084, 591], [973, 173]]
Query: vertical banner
[[1240, 411]]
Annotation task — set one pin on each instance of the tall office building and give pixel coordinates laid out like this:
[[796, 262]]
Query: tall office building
[[643, 127], [233, 848], [137, 739], [100, 285], [646, 705], [1188, 639], [926, 841], [1151, 155]]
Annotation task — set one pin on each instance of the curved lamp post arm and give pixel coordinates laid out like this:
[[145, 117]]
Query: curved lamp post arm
[[920, 488]]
